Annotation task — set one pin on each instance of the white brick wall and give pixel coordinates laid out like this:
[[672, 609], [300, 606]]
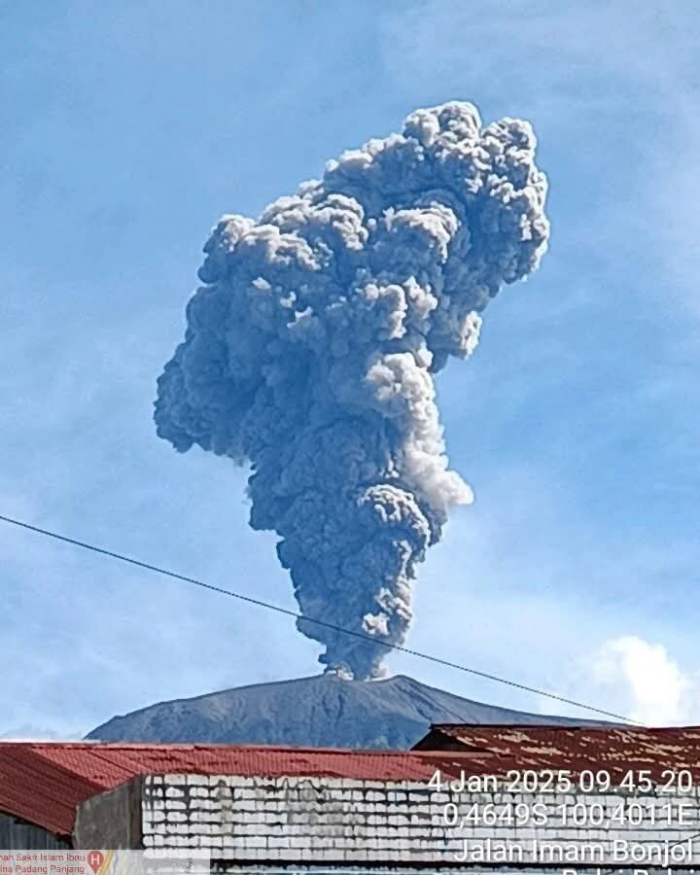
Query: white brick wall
[[333, 820]]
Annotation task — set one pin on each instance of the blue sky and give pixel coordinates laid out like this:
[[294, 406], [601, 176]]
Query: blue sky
[[128, 128]]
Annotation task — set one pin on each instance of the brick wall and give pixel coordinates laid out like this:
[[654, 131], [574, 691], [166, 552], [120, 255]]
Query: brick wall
[[341, 821]]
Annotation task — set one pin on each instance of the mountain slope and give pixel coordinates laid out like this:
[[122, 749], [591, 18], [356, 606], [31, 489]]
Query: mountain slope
[[324, 711]]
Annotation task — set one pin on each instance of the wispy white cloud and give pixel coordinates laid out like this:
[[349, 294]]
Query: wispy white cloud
[[574, 421], [529, 587], [29, 732], [642, 679]]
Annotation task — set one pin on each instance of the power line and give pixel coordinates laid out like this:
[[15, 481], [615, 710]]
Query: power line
[[297, 616]]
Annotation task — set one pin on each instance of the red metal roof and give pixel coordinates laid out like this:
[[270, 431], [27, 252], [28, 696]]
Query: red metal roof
[[616, 749], [43, 782]]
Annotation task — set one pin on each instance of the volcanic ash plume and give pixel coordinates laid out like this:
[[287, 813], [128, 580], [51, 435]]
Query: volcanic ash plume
[[311, 347]]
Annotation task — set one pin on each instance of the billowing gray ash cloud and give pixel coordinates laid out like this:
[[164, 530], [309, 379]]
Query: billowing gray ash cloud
[[312, 345]]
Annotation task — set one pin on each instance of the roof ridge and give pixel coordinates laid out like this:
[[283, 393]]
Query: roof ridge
[[96, 746]]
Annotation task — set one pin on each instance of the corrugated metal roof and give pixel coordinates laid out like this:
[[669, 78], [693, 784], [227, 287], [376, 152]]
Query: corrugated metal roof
[[577, 748], [43, 782]]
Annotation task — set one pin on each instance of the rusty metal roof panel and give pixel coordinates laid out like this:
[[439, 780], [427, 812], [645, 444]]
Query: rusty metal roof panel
[[39, 792], [616, 749], [43, 783]]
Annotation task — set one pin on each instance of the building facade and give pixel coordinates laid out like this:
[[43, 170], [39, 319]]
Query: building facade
[[467, 797]]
